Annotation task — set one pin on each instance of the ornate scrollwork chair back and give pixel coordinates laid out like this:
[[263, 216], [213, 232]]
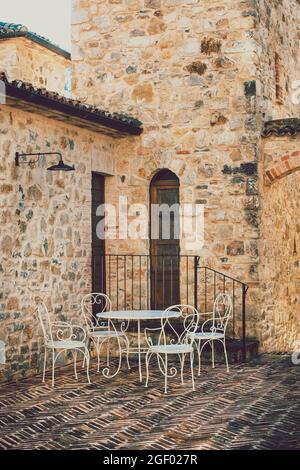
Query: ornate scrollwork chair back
[[222, 313], [92, 304], [174, 332]]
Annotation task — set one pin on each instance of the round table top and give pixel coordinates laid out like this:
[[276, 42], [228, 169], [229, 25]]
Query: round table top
[[138, 314]]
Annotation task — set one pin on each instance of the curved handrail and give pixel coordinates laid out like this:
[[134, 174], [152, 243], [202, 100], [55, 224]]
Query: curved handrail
[[224, 275]]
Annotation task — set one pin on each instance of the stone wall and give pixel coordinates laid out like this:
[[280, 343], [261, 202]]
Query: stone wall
[[45, 237], [278, 68], [8, 58], [279, 59], [186, 69], [23, 59], [280, 244]]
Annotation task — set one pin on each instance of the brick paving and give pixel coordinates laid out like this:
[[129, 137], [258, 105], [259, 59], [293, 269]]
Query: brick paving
[[256, 406]]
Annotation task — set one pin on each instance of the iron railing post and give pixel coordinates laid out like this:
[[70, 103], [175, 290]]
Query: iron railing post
[[244, 351]]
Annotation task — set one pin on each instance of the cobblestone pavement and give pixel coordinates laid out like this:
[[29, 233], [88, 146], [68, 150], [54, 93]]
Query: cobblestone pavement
[[256, 406]]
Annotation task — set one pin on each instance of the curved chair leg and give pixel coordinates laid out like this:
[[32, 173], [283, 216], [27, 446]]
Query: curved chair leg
[[182, 361], [200, 349], [120, 353], [98, 348], [44, 367], [147, 359], [192, 369], [106, 371], [125, 339], [199, 357], [127, 351], [53, 366], [87, 346], [87, 355], [108, 353], [75, 364], [225, 353], [166, 373], [213, 354]]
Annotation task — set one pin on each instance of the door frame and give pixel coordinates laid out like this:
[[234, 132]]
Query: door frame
[[163, 184]]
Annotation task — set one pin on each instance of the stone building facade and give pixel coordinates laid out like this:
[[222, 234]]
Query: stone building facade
[[187, 71], [45, 217], [207, 79], [44, 230], [204, 77]]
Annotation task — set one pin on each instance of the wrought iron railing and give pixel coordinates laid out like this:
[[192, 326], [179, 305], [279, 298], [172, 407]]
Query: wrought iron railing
[[138, 282]]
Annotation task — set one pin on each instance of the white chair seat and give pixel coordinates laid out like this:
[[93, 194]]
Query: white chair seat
[[105, 333], [209, 335], [172, 349], [66, 344]]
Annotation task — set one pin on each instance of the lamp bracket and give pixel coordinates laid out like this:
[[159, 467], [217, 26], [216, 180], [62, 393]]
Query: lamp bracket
[[18, 157]]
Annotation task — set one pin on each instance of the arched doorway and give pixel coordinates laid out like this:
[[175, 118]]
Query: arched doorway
[[164, 239]]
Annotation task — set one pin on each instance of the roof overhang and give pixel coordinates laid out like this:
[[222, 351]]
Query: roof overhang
[[37, 39], [34, 102], [281, 127]]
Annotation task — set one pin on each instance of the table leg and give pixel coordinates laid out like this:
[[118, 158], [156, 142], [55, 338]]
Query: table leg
[[139, 350]]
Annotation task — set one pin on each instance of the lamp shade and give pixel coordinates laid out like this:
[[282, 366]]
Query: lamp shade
[[61, 166]]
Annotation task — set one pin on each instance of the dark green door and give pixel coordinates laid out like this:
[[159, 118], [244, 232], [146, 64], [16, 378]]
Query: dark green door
[[165, 247], [98, 243]]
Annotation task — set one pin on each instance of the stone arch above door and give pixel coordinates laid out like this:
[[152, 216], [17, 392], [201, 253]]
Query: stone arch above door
[[284, 166]]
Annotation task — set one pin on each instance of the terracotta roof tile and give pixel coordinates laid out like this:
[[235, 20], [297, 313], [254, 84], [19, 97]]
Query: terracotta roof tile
[[87, 112], [281, 127]]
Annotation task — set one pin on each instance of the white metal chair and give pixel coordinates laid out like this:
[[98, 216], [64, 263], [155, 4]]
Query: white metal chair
[[62, 337], [214, 328], [101, 331], [173, 340]]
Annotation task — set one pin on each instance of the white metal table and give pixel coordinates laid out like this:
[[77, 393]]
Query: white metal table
[[138, 316]]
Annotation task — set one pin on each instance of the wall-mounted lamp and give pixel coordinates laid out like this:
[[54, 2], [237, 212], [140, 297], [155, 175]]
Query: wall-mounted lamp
[[60, 166]]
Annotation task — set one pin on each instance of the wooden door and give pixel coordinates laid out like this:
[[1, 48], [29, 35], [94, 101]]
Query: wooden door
[[98, 244], [165, 252]]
